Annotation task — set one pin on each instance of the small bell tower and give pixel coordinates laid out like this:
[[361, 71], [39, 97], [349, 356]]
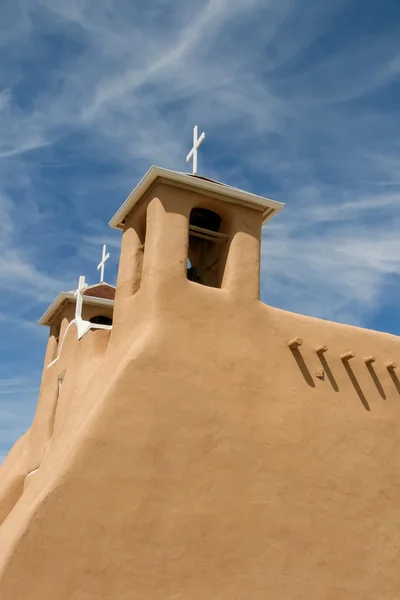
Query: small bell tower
[[94, 303]]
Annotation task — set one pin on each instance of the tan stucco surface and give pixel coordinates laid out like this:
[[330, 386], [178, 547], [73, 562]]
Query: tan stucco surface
[[192, 454]]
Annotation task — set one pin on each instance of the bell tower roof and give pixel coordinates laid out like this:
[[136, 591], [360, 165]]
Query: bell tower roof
[[201, 185], [100, 294], [101, 290]]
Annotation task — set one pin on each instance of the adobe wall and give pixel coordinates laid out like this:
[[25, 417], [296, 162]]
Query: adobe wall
[[201, 458], [12, 475], [27, 453]]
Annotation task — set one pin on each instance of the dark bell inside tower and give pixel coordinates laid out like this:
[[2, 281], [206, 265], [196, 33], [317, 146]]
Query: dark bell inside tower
[[205, 247], [205, 219]]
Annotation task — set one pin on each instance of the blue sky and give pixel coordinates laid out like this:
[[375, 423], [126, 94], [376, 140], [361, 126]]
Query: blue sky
[[300, 101]]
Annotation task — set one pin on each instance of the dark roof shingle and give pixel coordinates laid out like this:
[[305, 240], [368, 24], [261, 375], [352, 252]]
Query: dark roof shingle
[[102, 290]]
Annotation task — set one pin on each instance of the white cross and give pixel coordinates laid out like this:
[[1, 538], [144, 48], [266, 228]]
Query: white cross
[[102, 263], [82, 286], [196, 144]]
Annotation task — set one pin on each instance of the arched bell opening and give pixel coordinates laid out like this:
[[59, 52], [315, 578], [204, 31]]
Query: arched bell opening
[[207, 247], [101, 320]]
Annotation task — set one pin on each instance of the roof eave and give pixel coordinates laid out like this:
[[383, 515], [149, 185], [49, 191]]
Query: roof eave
[[268, 206], [45, 319]]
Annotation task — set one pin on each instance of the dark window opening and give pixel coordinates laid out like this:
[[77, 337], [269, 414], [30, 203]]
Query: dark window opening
[[101, 320], [207, 248]]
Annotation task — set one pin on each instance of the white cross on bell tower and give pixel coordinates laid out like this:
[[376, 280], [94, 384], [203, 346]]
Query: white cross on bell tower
[[103, 261], [196, 144]]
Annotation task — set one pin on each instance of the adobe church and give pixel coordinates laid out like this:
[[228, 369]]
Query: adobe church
[[193, 443]]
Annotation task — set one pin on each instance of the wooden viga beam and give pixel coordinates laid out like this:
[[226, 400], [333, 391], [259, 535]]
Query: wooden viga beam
[[369, 360], [391, 365], [347, 355], [321, 349], [295, 343]]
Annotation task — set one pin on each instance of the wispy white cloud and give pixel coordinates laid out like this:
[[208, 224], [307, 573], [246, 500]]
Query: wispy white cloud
[[17, 272], [5, 98], [333, 260]]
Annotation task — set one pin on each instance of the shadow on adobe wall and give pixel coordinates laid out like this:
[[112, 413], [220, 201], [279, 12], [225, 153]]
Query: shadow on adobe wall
[[376, 381], [294, 348], [356, 385], [303, 367], [309, 379], [395, 380], [328, 372]]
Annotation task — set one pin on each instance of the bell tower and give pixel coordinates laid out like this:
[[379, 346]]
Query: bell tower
[[181, 230]]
